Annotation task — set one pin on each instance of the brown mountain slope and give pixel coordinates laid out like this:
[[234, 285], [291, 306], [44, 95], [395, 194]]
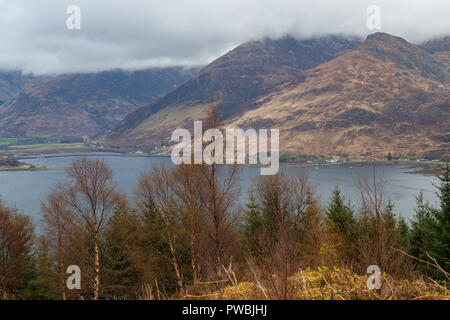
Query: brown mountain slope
[[437, 45], [384, 96], [235, 79], [84, 104], [11, 82], [439, 48]]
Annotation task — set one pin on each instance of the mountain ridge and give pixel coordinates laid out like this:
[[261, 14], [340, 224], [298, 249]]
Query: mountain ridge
[[384, 95], [13, 81], [236, 79], [85, 104]]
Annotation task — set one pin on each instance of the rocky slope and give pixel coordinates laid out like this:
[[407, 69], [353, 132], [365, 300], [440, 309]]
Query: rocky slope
[[386, 95], [84, 104], [439, 48], [235, 79], [11, 82]]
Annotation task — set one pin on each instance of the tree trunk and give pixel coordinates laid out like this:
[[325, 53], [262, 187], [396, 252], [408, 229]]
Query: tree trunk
[[96, 266], [216, 219], [194, 254], [194, 258], [61, 268], [174, 260], [3, 287]]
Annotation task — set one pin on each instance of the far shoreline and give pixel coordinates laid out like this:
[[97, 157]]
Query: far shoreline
[[417, 167]]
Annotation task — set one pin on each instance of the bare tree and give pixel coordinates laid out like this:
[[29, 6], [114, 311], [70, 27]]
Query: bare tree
[[7, 238], [378, 232], [16, 237], [285, 222], [91, 195], [219, 192], [57, 219], [154, 193], [186, 186], [372, 202]]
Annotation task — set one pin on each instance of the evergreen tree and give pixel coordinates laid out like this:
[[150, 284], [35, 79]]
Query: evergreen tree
[[341, 216], [421, 229], [122, 278], [430, 235], [404, 232], [440, 244], [43, 284], [253, 226]]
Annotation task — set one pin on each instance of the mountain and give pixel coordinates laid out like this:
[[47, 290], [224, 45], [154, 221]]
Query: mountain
[[11, 82], [386, 95], [235, 79], [75, 105], [439, 48]]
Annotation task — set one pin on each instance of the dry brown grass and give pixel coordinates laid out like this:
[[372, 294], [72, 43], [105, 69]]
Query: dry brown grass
[[333, 284]]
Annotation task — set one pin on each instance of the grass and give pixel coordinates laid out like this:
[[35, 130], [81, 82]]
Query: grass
[[32, 146], [329, 284], [4, 141], [27, 167], [48, 148]]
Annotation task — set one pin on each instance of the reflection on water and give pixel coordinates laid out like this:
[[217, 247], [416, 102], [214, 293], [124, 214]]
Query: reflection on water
[[26, 189]]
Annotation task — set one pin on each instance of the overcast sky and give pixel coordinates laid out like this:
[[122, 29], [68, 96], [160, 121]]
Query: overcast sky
[[136, 34]]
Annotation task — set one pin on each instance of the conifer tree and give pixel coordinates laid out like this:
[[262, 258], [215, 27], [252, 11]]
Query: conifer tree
[[340, 215], [430, 235], [253, 226], [440, 244]]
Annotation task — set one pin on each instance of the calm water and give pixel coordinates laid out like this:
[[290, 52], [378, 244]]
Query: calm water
[[26, 189]]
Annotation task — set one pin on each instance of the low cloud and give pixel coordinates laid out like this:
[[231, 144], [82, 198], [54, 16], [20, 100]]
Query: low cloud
[[146, 33]]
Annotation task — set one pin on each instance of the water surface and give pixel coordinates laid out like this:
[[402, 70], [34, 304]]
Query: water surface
[[26, 189]]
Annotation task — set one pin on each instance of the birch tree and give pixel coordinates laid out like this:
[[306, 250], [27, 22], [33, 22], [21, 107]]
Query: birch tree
[[91, 195]]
